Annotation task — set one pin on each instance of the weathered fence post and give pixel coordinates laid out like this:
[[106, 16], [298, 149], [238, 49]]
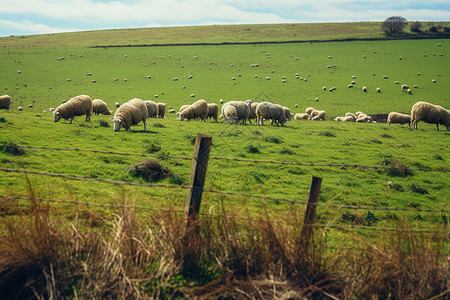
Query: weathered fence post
[[310, 214], [198, 174]]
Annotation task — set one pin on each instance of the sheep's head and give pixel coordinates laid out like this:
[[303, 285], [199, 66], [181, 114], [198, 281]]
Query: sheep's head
[[118, 123], [232, 119], [56, 116]]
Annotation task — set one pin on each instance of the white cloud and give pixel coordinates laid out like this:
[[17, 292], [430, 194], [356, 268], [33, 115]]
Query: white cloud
[[32, 28]]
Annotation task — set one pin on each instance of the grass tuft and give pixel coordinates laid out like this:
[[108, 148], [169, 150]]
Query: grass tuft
[[149, 170], [11, 149]]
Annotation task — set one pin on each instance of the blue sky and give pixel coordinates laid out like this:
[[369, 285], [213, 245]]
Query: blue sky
[[25, 17]]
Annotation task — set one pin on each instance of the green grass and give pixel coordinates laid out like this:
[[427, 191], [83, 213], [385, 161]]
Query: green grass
[[43, 83]]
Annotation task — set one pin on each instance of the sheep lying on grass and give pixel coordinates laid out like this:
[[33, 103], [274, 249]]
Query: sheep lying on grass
[[198, 109], [5, 102], [130, 113], [76, 106], [99, 107], [270, 111], [304, 116], [399, 118], [429, 113]]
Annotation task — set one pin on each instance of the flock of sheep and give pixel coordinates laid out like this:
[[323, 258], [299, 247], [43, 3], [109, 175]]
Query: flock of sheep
[[234, 112]]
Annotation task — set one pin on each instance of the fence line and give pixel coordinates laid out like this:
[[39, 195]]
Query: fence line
[[218, 216], [264, 197], [89, 203], [163, 156]]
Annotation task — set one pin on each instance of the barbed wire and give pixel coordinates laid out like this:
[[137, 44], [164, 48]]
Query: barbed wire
[[327, 226], [89, 203], [306, 164], [82, 178], [264, 197]]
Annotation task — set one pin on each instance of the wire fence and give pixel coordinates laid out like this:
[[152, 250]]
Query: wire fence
[[227, 193]]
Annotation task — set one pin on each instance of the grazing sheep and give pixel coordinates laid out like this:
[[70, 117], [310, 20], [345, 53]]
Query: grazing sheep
[[405, 87], [181, 108], [399, 118], [288, 113], [364, 89], [5, 102], [130, 113], [409, 91], [304, 116], [429, 113], [152, 108], [213, 111], [76, 106], [378, 90], [51, 109], [117, 104], [99, 107], [229, 113], [161, 110], [252, 111], [20, 108], [198, 109], [270, 111], [242, 109]]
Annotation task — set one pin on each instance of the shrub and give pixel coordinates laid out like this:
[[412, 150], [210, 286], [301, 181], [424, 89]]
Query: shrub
[[416, 27]]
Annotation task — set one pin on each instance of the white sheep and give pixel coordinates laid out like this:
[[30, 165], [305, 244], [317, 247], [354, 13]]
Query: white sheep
[[351, 115], [310, 110], [344, 119], [117, 104], [181, 108], [99, 107], [270, 111], [213, 111], [429, 113], [288, 113], [161, 110], [130, 113], [405, 87], [5, 102], [252, 111], [242, 109], [152, 108], [399, 118], [320, 115], [364, 89], [303, 116], [229, 113], [76, 106], [198, 109]]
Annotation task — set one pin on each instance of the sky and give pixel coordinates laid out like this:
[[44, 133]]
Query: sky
[[26, 17]]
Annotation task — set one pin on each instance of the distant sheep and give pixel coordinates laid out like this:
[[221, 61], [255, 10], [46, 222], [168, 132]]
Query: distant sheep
[[270, 111], [404, 87], [364, 89], [399, 118], [310, 110], [429, 113], [152, 108], [181, 108], [99, 107], [117, 104], [130, 113], [20, 108], [5, 102], [229, 114], [303, 116], [213, 111], [161, 110], [198, 109], [76, 106]]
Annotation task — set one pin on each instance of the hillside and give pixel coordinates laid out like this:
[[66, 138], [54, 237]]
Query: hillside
[[216, 34]]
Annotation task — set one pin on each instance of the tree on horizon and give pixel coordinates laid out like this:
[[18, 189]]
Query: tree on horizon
[[394, 25]]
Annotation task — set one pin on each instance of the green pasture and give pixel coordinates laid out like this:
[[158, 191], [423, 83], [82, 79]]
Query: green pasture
[[225, 72]]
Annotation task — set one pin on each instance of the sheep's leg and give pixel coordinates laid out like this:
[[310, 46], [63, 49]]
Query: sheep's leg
[[437, 126], [71, 119]]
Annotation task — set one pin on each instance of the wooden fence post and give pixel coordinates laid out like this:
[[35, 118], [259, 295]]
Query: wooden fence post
[[197, 180], [310, 214]]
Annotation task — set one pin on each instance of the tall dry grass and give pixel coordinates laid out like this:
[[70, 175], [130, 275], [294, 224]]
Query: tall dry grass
[[221, 257]]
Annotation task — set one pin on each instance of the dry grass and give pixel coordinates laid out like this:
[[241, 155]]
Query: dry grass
[[220, 257]]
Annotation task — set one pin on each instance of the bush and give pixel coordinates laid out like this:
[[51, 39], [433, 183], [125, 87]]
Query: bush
[[393, 25], [416, 27]]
